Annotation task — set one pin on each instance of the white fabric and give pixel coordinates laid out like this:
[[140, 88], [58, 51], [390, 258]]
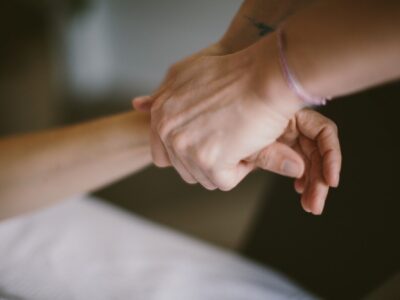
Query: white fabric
[[85, 249]]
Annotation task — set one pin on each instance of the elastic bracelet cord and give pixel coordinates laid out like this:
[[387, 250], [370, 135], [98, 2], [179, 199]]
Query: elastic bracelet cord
[[291, 79]]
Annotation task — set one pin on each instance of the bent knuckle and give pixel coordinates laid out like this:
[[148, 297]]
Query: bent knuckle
[[227, 187], [163, 128], [179, 142], [202, 159], [224, 180], [331, 129], [334, 127]]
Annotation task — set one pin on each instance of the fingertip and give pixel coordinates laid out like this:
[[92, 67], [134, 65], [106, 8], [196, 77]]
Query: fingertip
[[318, 201], [298, 186], [189, 180], [210, 188], [332, 162], [142, 103], [314, 198], [335, 181], [161, 164], [332, 177], [317, 212], [304, 204]]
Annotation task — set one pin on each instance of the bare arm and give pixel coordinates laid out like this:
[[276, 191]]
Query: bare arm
[[338, 47], [255, 19], [40, 168]]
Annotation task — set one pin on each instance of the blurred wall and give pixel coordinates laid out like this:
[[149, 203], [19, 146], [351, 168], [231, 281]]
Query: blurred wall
[[27, 87], [58, 56], [68, 61], [126, 45]]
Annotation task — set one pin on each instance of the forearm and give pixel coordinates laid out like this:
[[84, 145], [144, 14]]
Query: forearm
[[255, 19], [339, 47], [38, 169]]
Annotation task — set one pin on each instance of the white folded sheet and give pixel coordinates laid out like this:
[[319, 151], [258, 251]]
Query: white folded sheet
[[86, 249]]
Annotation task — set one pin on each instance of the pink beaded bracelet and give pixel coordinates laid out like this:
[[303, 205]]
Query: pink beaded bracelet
[[291, 79]]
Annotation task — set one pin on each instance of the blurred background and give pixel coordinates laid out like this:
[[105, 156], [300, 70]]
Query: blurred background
[[67, 61]]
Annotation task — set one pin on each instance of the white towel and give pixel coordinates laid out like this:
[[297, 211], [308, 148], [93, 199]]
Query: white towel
[[86, 249]]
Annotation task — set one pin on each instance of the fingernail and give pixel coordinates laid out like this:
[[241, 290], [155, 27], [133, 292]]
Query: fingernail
[[290, 168]]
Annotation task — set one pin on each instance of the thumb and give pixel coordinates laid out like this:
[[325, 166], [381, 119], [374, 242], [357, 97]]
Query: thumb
[[281, 159], [142, 103]]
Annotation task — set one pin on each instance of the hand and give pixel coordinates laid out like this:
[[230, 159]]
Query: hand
[[202, 113], [277, 154], [315, 138]]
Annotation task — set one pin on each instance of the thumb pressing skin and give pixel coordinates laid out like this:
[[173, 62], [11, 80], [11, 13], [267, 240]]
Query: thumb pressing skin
[[281, 159], [142, 103]]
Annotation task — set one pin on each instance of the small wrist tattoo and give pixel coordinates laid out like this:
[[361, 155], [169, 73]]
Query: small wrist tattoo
[[263, 29]]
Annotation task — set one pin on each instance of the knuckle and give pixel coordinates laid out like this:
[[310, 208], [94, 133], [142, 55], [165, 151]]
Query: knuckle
[[202, 159], [226, 186], [328, 123], [206, 156], [208, 185], [223, 180], [163, 127], [334, 127], [331, 128], [179, 142]]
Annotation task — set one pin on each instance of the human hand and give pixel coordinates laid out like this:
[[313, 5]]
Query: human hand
[[202, 112], [201, 72], [315, 138]]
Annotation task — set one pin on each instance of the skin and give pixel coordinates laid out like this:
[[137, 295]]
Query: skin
[[254, 20], [40, 169], [211, 116]]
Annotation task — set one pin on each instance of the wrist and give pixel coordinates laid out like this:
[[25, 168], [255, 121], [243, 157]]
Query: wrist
[[272, 84]]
